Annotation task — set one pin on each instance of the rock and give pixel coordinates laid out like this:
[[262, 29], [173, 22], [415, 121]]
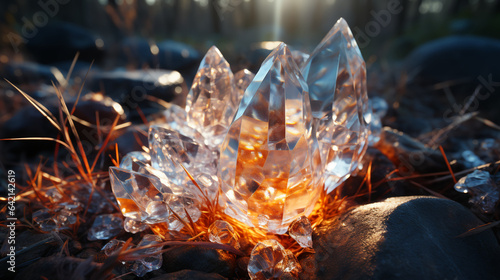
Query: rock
[[20, 73], [58, 267], [466, 62], [199, 259], [60, 41], [189, 275], [405, 238], [178, 56], [132, 88], [136, 52]]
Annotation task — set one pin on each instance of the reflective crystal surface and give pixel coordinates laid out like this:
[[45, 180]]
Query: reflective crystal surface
[[105, 226], [269, 259], [242, 79], [336, 76], [376, 111], [175, 154], [301, 231], [134, 191], [113, 246], [132, 226], [180, 205], [223, 233], [153, 260], [127, 161], [483, 190], [212, 100], [269, 164]]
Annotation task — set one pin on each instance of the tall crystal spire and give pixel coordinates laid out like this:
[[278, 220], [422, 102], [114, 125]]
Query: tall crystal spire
[[269, 163], [336, 75], [212, 100]]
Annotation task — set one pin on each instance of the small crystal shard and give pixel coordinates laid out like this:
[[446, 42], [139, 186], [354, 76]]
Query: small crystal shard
[[151, 260], [376, 111], [105, 226], [134, 191], [180, 205], [270, 260], [210, 104], [483, 190], [270, 163], [112, 247], [336, 76], [301, 231], [127, 161], [223, 233], [132, 226], [43, 218]]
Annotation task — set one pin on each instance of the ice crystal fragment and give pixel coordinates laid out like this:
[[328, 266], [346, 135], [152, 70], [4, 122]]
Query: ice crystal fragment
[[301, 231], [105, 226], [43, 218], [223, 233], [483, 190], [336, 75], [132, 226], [270, 260], [270, 163], [152, 260], [112, 247]]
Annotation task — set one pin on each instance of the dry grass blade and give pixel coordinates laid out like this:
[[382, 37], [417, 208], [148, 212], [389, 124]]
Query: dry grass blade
[[105, 143], [429, 190], [73, 63], [188, 226], [479, 229], [39, 139], [42, 109], [448, 164]]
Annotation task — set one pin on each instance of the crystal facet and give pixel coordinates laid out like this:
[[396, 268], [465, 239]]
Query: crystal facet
[[301, 231], [105, 226], [112, 247], [134, 191], [176, 154], [211, 102], [270, 260], [269, 163], [242, 79], [483, 190], [127, 161], [336, 76], [223, 233]]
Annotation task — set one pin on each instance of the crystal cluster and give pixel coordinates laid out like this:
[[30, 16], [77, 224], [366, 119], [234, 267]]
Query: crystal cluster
[[270, 260], [150, 258], [301, 231], [61, 217], [264, 145], [484, 192]]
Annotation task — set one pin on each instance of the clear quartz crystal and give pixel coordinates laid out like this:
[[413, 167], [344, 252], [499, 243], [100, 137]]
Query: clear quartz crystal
[[223, 233], [270, 260], [300, 57], [336, 75], [301, 231], [483, 190], [134, 191], [132, 226], [105, 226], [212, 100], [377, 109], [180, 205], [270, 163]]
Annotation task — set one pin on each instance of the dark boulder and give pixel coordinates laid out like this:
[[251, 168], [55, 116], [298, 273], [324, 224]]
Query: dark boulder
[[60, 41], [405, 238]]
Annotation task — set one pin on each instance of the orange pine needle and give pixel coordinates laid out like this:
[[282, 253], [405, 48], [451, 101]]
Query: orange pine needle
[[448, 164]]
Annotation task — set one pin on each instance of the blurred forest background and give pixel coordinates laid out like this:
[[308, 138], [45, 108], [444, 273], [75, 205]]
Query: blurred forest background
[[233, 25]]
